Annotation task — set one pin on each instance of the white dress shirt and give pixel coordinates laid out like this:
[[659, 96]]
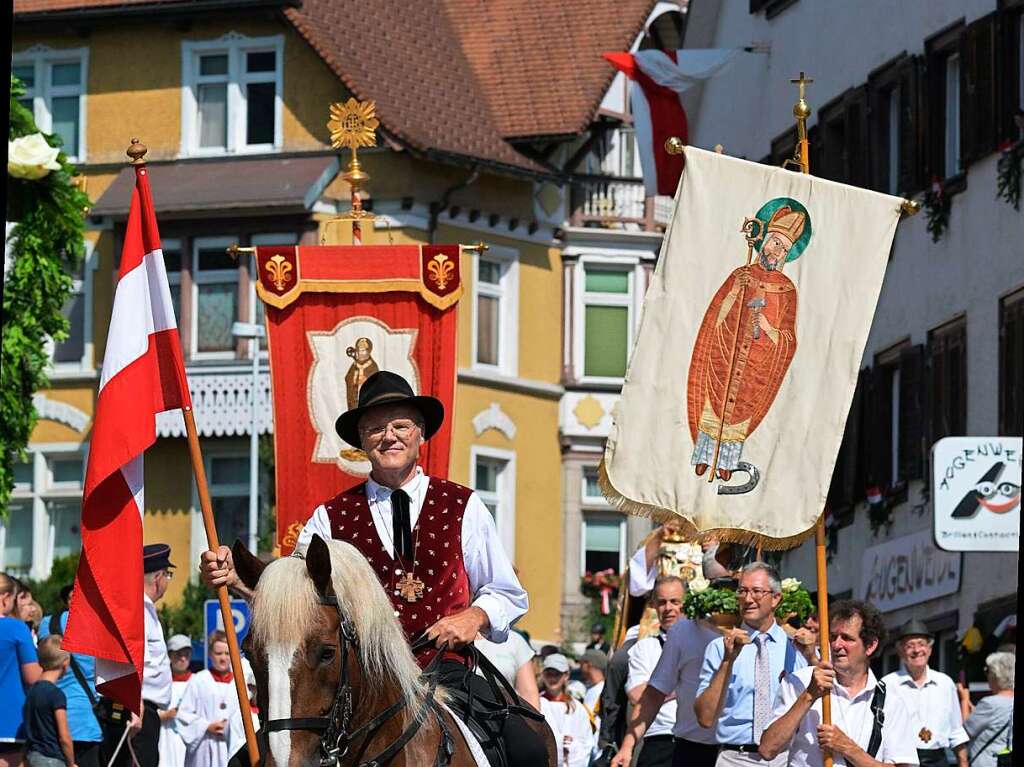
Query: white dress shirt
[[643, 658], [494, 584], [574, 723], [156, 667], [641, 577], [678, 671], [934, 707], [852, 716]]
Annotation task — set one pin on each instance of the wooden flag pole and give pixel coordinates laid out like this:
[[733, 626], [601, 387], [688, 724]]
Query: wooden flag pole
[[137, 153], [222, 592], [801, 111]]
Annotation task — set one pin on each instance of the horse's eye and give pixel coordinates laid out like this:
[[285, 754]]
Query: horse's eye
[[327, 654]]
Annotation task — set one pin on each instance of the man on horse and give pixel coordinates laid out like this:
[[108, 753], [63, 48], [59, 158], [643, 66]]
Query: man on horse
[[432, 543]]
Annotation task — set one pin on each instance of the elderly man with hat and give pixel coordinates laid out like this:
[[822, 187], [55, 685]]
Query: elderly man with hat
[[156, 668], [433, 545], [930, 696]]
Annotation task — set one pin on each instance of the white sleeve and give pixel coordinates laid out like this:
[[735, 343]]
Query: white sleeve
[[641, 579], [642, 660], [789, 690], [319, 524], [898, 735], [494, 584], [957, 734]]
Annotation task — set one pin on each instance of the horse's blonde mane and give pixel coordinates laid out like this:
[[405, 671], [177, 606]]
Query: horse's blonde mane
[[285, 607]]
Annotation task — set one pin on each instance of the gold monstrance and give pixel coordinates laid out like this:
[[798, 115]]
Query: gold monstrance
[[353, 124]]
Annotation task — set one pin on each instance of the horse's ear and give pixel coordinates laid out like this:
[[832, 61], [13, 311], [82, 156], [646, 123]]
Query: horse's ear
[[318, 565], [248, 566]]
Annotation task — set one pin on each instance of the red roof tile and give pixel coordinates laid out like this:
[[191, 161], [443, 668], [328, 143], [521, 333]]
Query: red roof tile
[[540, 62]]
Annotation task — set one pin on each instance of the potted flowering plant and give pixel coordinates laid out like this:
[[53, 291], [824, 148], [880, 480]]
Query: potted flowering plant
[[603, 584], [717, 605], [796, 602]]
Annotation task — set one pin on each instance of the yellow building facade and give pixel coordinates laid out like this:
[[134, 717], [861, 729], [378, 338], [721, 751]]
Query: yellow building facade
[[164, 83]]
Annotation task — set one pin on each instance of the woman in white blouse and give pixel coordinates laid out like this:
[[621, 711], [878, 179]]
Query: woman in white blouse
[[568, 718]]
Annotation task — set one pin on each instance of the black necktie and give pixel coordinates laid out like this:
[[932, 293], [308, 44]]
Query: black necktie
[[400, 524]]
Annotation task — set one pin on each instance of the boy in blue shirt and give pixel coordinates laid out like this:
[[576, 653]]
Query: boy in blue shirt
[[47, 735]]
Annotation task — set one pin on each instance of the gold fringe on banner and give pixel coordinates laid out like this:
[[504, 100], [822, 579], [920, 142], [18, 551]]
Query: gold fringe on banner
[[689, 530]]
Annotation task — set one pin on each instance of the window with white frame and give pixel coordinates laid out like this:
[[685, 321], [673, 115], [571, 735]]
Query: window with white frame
[[75, 353], [494, 482], [495, 315], [215, 285], [591, 490], [604, 543], [951, 152], [55, 87], [229, 494], [232, 94], [44, 512], [607, 320]]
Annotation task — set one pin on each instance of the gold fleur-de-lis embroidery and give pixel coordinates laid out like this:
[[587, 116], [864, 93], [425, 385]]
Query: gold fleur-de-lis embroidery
[[440, 268], [280, 271]]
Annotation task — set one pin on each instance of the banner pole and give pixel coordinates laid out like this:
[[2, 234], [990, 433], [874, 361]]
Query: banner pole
[[801, 111], [222, 592]]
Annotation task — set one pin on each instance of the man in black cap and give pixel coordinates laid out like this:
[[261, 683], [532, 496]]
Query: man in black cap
[[432, 543], [597, 640], [156, 669], [930, 696]]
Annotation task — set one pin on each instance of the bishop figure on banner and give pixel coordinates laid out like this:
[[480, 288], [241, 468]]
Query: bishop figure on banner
[[746, 341]]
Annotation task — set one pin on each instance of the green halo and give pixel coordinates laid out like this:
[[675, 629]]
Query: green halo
[[764, 215]]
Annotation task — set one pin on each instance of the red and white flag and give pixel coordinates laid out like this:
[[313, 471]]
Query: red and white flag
[[659, 78], [143, 374]]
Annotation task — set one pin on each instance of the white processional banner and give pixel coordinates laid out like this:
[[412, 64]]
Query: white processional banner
[[750, 340]]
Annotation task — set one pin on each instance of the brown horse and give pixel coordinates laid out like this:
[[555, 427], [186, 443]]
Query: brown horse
[[337, 682]]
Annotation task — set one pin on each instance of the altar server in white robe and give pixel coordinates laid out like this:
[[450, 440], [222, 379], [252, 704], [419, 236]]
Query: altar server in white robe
[[172, 747], [206, 708]]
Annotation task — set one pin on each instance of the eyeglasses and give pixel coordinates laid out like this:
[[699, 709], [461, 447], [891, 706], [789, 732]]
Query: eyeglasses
[[916, 644], [757, 594], [402, 429], [167, 574]]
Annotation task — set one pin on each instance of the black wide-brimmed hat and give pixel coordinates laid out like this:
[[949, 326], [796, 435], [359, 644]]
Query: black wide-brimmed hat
[[387, 388]]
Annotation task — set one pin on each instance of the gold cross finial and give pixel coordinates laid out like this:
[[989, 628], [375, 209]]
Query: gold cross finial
[[802, 81]]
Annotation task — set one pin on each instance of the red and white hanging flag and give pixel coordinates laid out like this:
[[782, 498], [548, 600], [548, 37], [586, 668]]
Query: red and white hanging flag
[[659, 78], [143, 374]]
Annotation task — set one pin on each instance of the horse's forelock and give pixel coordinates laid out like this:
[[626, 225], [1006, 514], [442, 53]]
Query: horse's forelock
[[285, 610]]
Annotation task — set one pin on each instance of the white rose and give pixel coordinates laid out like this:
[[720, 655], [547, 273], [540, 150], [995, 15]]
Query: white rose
[[30, 157], [699, 584], [789, 585]]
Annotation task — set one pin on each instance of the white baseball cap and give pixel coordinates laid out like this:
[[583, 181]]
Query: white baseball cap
[[557, 662], [178, 642]]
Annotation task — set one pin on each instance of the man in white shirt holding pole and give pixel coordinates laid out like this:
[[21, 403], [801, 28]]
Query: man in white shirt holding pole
[[870, 726]]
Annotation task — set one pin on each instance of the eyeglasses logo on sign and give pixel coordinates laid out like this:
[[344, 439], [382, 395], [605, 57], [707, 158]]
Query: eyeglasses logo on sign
[[343, 358], [977, 493]]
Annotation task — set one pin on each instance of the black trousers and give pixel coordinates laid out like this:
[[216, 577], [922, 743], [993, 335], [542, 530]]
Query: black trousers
[[657, 751], [690, 754], [524, 746], [931, 757], [87, 753], [145, 743]]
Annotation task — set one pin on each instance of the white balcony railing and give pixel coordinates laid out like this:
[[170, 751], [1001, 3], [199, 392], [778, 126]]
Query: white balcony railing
[[221, 403]]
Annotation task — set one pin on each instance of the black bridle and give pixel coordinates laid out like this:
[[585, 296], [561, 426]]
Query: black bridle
[[336, 740]]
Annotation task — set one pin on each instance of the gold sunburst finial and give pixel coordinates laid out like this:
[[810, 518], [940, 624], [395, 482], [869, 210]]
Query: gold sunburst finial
[[353, 124]]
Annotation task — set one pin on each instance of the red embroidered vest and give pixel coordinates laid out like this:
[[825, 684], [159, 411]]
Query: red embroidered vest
[[437, 541]]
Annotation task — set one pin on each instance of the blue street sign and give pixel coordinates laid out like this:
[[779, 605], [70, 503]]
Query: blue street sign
[[213, 621]]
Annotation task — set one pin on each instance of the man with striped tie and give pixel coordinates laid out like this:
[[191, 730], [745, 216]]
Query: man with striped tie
[[742, 671]]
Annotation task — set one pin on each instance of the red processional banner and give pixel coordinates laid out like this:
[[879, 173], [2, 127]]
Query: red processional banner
[[335, 316]]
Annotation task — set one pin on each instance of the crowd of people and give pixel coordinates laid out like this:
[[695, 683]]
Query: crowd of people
[[52, 715], [689, 694]]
